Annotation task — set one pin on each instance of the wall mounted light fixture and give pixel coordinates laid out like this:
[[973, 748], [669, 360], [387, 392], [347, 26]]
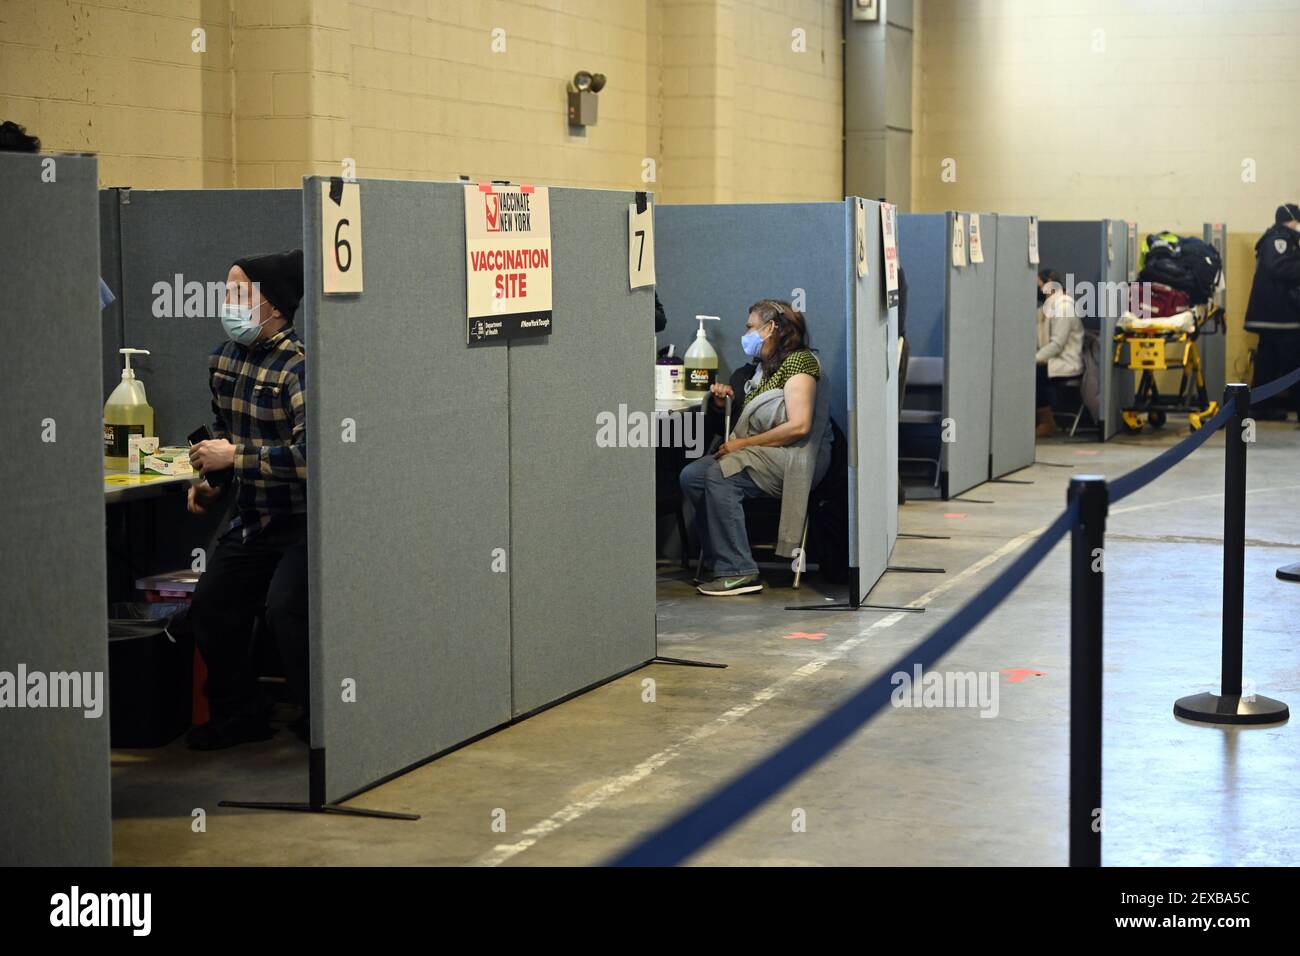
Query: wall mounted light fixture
[[582, 97]]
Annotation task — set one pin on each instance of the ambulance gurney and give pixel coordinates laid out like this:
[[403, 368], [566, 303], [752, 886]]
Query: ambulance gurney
[[1162, 335]]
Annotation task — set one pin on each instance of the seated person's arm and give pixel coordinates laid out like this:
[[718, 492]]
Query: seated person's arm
[[281, 462], [1059, 329], [800, 393]]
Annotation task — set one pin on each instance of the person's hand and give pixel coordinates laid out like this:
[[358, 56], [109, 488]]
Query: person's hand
[[214, 454], [720, 394], [200, 495], [727, 447]]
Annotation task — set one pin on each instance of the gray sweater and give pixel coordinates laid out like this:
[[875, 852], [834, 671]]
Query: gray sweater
[[789, 472]]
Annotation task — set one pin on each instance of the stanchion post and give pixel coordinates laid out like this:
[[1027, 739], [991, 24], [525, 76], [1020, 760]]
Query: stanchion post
[[1228, 706], [1234, 537], [1087, 579]]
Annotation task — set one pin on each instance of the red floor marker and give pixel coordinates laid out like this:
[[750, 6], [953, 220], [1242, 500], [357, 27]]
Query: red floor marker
[[800, 635], [1016, 675], [955, 514], [1080, 451]]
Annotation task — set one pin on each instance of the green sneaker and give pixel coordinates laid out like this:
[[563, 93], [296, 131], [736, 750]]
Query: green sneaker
[[725, 587]]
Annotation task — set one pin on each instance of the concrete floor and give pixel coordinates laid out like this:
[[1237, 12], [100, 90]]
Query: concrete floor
[[916, 786]]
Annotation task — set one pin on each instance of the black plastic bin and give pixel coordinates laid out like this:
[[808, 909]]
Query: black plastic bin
[[150, 674]]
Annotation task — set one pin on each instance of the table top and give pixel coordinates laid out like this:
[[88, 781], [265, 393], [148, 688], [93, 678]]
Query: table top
[[678, 404], [119, 486]]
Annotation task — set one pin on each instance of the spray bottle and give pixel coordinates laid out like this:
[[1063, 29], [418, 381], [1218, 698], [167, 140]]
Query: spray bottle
[[126, 413], [701, 362]]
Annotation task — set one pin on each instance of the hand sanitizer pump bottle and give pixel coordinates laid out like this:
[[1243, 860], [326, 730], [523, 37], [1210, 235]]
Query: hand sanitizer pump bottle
[[701, 362], [126, 413]]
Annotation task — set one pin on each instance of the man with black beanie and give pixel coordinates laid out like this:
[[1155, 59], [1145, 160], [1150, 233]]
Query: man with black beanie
[[260, 449], [1274, 309]]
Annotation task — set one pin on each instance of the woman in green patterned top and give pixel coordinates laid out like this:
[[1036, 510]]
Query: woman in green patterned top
[[774, 443]]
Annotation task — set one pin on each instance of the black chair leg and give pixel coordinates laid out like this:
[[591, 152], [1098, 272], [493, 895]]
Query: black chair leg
[[681, 532]]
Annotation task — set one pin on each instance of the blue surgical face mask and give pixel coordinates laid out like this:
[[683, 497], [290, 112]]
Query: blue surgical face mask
[[239, 323], [752, 343]]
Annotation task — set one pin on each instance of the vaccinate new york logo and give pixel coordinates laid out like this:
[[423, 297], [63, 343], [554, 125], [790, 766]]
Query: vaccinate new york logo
[[492, 211], [76, 909]]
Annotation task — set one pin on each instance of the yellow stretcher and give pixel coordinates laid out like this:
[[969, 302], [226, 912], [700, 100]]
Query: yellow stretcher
[[1149, 342]]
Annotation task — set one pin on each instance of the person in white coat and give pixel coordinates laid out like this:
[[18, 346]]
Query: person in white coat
[[1060, 345]]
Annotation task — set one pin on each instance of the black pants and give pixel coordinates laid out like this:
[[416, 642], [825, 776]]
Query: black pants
[[1278, 352], [1044, 389], [269, 571]]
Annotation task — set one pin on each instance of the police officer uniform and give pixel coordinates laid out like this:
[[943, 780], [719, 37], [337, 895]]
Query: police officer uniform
[[1273, 312]]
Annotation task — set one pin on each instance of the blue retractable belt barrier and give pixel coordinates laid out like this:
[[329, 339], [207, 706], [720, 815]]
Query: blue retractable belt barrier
[[717, 813], [1265, 392], [707, 820], [1125, 485]]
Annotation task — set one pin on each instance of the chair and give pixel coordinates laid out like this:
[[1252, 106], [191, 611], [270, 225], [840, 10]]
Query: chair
[[1073, 382], [923, 401]]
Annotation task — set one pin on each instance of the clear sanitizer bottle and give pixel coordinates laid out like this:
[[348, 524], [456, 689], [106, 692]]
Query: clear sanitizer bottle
[[701, 362], [126, 413]]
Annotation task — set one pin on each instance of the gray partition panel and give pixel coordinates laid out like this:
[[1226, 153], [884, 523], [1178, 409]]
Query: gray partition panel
[[719, 260], [405, 520], [874, 458], [968, 367], [582, 540], [1011, 437], [1214, 348], [1077, 250], [1117, 383], [110, 269], [195, 233], [924, 256], [54, 786]]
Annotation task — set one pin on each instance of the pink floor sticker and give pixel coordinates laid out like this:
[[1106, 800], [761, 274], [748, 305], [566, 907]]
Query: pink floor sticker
[[1016, 675], [801, 635]]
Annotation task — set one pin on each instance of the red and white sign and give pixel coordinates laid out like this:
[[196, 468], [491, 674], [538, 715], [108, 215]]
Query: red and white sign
[[508, 262], [889, 248]]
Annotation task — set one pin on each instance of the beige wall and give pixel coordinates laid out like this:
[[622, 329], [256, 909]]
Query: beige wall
[[709, 89], [121, 80], [1149, 120]]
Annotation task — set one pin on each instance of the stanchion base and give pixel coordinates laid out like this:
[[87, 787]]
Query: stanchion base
[[1289, 572], [1217, 709]]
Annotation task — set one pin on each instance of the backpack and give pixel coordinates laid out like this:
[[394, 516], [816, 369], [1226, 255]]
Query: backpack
[[1205, 265], [1185, 263]]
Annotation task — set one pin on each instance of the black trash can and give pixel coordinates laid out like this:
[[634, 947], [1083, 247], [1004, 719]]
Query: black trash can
[[150, 674]]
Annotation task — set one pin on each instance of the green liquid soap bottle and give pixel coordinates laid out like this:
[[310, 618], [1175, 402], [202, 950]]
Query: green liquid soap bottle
[[701, 362], [126, 413]]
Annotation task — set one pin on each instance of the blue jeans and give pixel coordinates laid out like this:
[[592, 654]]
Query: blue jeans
[[719, 515]]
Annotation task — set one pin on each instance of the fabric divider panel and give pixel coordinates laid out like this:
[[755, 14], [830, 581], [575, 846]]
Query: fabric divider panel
[[582, 519], [405, 521], [1015, 305], [1213, 348], [721, 259], [968, 365], [876, 402], [55, 784], [110, 269], [1117, 383], [1077, 250], [197, 234]]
